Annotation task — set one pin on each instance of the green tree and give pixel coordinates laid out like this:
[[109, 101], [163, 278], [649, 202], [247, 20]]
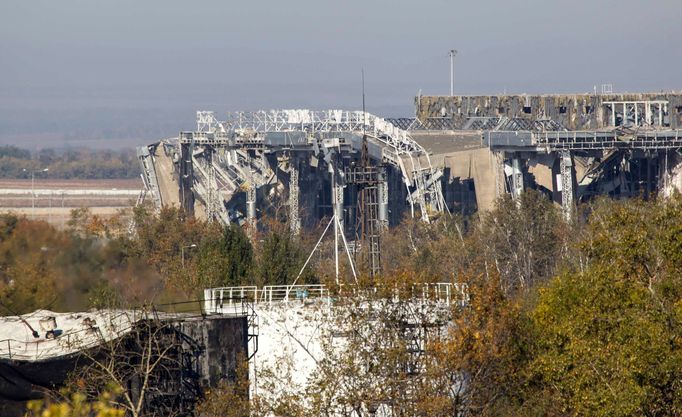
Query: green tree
[[280, 258], [225, 259], [607, 341]]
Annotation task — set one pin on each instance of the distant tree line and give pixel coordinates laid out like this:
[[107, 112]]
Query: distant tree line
[[18, 163]]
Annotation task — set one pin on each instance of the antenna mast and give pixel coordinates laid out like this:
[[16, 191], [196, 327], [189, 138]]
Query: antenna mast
[[366, 178]]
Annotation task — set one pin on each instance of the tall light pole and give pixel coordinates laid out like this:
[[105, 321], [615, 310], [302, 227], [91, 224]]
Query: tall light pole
[[33, 194], [182, 252], [452, 54]]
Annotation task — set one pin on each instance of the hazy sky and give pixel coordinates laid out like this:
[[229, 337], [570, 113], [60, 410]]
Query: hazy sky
[[138, 69]]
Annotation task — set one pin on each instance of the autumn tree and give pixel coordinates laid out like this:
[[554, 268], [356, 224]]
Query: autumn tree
[[167, 242], [522, 240], [28, 252], [436, 250], [76, 405], [231, 397]]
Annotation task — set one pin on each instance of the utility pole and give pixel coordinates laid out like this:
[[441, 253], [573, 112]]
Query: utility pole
[[452, 54], [33, 194], [182, 252]]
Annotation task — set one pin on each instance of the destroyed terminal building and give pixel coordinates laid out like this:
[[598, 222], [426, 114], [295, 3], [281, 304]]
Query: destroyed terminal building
[[457, 155]]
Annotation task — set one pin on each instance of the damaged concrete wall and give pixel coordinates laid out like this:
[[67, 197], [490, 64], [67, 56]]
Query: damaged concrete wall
[[573, 111], [476, 164]]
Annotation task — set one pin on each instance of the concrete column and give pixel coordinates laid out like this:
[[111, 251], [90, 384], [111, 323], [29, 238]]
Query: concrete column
[[517, 177], [186, 179], [294, 215], [567, 179], [647, 112], [337, 194], [649, 176], [251, 197], [382, 190], [500, 177], [232, 157], [670, 114], [625, 114], [251, 203]]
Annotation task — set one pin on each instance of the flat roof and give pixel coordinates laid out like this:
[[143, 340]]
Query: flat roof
[[443, 142]]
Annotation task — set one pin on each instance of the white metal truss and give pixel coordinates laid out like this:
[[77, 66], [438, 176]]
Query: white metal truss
[[323, 121], [397, 142], [206, 122]]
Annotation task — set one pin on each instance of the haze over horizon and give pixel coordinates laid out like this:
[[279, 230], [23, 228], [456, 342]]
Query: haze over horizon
[[112, 74]]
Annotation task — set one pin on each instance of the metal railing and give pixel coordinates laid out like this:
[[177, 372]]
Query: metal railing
[[221, 300], [288, 293], [443, 292], [585, 140]]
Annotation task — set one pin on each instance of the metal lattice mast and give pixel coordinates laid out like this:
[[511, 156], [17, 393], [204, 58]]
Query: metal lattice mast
[[366, 177], [212, 205]]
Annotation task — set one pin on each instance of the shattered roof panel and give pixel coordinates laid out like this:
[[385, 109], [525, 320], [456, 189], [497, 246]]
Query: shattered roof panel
[[73, 332]]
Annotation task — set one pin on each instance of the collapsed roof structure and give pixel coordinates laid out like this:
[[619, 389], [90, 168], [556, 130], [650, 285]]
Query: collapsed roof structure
[[191, 352]]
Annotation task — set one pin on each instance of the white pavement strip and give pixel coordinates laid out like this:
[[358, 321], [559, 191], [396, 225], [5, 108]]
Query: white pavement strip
[[70, 192]]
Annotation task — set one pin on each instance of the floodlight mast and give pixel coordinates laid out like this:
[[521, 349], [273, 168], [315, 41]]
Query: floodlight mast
[[33, 194], [452, 54]]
